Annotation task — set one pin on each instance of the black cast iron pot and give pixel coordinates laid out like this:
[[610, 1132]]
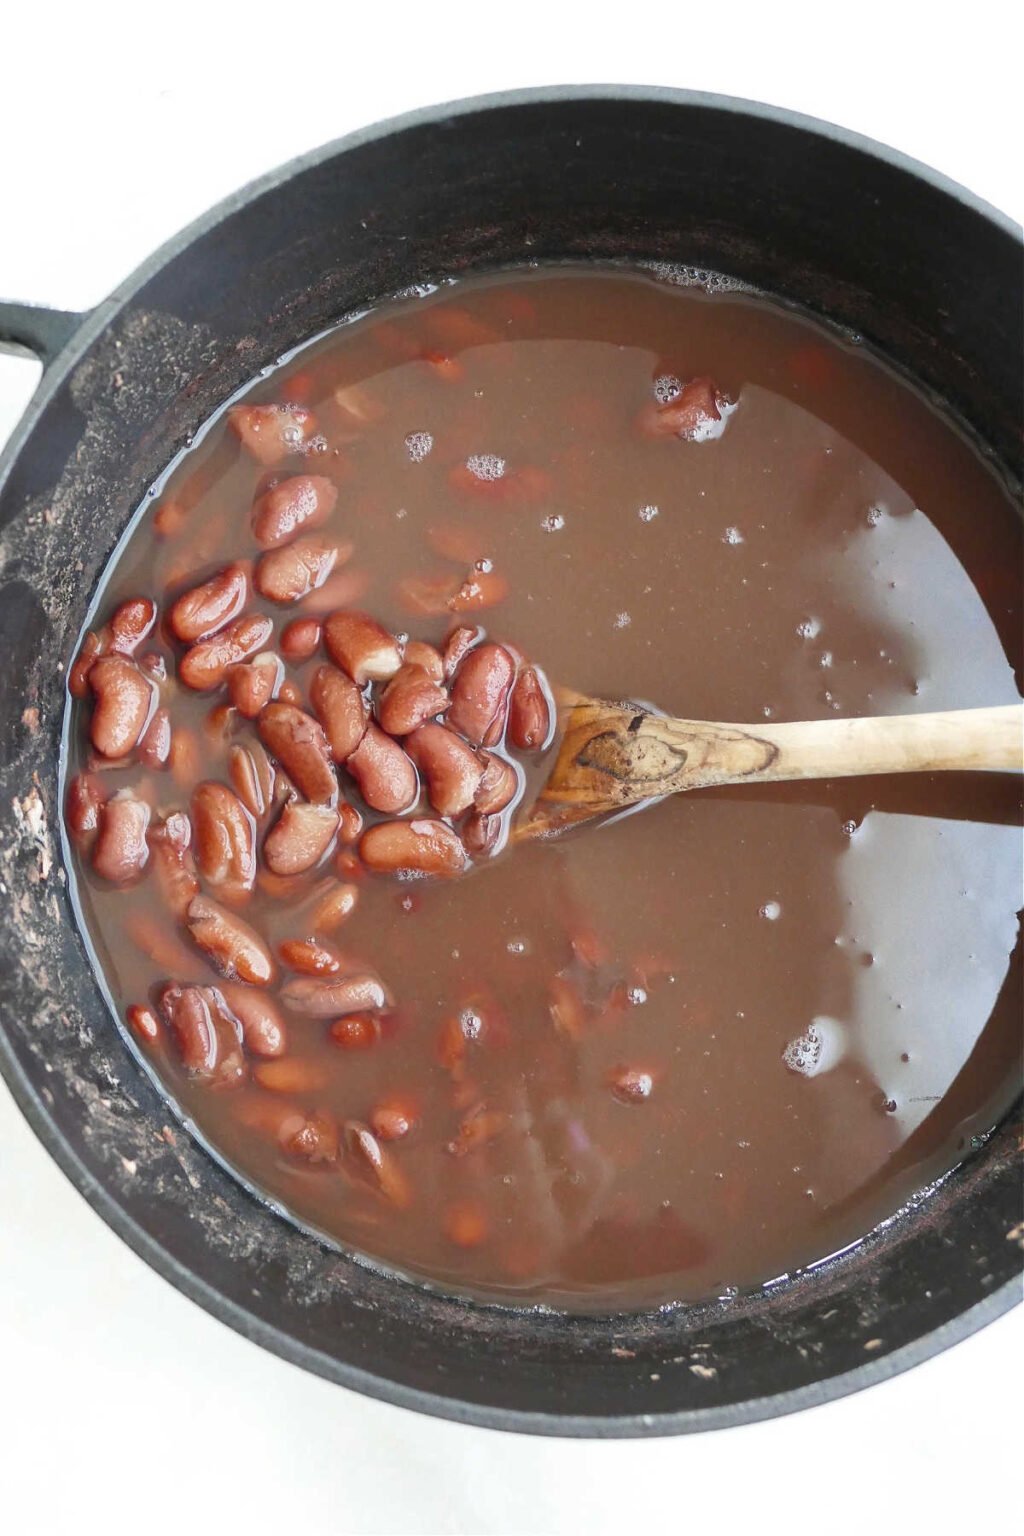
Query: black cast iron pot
[[928, 275]]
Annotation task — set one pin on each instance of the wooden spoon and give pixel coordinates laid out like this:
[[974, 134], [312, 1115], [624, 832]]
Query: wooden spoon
[[613, 756]]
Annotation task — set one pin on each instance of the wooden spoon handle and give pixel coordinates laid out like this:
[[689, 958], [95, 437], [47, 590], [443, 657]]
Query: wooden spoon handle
[[613, 756]]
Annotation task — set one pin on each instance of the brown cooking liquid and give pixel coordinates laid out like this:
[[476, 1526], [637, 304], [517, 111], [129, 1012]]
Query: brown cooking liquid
[[821, 982]]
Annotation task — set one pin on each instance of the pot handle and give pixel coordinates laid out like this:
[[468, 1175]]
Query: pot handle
[[32, 329]]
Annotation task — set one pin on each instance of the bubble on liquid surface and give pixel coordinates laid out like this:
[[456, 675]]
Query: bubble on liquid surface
[[808, 628], [636, 996], [647, 513], [850, 828], [418, 445], [553, 523], [772, 910], [486, 466], [623, 620], [875, 515], [732, 536], [666, 388], [693, 277], [817, 1050]]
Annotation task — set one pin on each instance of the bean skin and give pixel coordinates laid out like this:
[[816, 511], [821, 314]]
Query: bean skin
[[480, 694], [205, 609], [85, 801], [271, 433], [529, 715], [289, 574], [230, 945], [695, 413], [630, 1085], [170, 843], [378, 1168], [480, 833], [458, 645], [361, 647], [144, 1024], [314, 1138], [225, 840], [319, 998], [264, 1032], [498, 787], [124, 699], [291, 507], [300, 837], [300, 746], [385, 774], [121, 852], [341, 709], [252, 775], [417, 847], [204, 1032], [205, 665], [451, 768], [410, 699]]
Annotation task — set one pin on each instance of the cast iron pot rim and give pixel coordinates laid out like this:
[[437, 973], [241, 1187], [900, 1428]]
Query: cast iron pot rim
[[81, 333]]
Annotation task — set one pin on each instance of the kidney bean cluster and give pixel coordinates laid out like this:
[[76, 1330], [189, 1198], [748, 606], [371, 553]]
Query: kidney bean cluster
[[350, 749]]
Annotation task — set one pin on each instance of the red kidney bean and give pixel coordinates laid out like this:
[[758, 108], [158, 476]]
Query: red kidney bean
[[361, 647], [85, 801], [357, 408], [121, 852], [263, 1029], [252, 774], [290, 1074], [458, 645], [300, 837], [630, 1085], [366, 1155], [78, 672], [169, 519], [341, 709], [206, 664], [300, 639], [230, 945], [480, 694], [478, 1129], [416, 847], [334, 907], [448, 369], [567, 1011], [693, 414], [203, 1031], [409, 700], [419, 654], [498, 787], [184, 759], [129, 625], [314, 1138], [327, 999], [342, 589], [155, 745], [482, 587], [392, 1120], [355, 1032], [272, 432], [465, 1224], [459, 542], [225, 840], [170, 842], [290, 693], [529, 714], [144, 1024], [254, 683], [124, 698], [309, 957], [300, 746], [429, 595], [348, 863], [385, 775], [451, 768], [351, 827], [480, 833], [289, 574], [291, 507], [199, 613]]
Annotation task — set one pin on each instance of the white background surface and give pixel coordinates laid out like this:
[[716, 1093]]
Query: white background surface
[[123, 1407]]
